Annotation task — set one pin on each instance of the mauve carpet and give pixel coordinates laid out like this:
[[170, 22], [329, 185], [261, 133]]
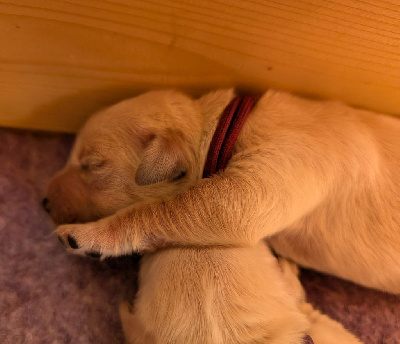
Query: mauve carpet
[[47, 296]]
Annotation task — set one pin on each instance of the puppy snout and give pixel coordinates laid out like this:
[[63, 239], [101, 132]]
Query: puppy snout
[[60, 213], [46, 204]]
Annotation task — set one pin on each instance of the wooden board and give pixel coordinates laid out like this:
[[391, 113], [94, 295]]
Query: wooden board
[[62, 60]]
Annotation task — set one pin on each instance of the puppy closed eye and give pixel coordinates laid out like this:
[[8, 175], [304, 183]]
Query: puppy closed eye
[[91, 165], [179, 175]]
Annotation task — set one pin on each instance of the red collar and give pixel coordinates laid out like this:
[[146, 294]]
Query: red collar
[[227, 132]]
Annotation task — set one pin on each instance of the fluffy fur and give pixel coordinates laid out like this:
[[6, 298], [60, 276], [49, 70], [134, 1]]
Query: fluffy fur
[[299, 169], [317, 177], [214, 295]]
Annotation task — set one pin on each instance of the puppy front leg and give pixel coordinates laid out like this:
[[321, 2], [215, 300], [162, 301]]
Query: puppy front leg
[[237, 207]]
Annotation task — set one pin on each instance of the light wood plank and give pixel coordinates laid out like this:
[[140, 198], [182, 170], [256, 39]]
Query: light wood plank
[[62, 60]]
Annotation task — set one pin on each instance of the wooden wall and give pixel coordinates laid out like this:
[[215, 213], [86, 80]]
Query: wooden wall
[[61, 60]]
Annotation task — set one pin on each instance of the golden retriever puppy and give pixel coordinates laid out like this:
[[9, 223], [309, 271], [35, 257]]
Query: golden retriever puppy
[[219, 295], [319, 179], [214, 295]]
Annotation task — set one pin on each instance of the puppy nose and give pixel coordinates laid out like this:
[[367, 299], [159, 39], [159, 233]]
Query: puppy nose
[[45, 204]]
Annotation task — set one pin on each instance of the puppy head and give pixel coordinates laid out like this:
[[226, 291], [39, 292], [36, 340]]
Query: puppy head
[[134, 151], [139, 150]]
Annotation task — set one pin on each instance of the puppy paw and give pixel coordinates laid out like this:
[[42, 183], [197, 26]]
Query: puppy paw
[[93, 239], [323, 329]]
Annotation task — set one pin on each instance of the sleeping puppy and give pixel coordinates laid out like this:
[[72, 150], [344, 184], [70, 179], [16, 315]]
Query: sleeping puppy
[[216, 295], [317, 178], [220, 295], [194, 294]]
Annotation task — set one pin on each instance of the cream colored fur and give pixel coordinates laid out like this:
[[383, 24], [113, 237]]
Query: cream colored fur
[[317, 178], [223, 295], [213, 295]]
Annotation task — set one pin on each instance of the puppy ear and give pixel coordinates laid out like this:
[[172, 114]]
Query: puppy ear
[[162, 160]]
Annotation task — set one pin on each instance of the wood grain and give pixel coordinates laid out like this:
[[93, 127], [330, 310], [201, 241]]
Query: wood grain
[[62, 60]]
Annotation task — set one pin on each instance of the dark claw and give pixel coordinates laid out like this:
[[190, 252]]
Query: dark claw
[[61, 240], [308, 340], [72, 242], [93, 254]]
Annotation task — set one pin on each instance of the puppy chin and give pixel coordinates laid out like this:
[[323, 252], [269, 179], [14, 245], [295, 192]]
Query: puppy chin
[[60, 218]]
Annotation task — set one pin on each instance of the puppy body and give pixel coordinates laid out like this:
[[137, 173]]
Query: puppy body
[[213, 295], [220, 295], [317, 178]]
